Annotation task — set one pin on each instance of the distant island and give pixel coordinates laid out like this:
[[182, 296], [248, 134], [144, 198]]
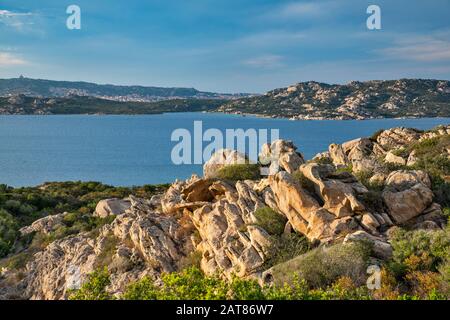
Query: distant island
[[408, 98], [412, 98]]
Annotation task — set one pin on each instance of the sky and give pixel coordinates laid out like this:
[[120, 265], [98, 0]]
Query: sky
[[224, 45]]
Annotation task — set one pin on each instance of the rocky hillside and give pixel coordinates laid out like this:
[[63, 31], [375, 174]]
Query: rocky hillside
[[355, 100], [60, 89], [389, 194], [22, 105]]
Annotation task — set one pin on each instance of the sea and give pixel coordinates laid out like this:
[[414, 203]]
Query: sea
[[127, 150]]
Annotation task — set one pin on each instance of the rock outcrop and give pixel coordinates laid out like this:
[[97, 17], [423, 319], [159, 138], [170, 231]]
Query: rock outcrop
[[407, 194], [139, 242], [220, 159], [110, 207], [44, 225], [281, 154]]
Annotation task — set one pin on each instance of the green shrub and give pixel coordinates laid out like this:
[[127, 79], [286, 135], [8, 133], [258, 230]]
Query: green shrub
[[270, 220], [401, 152], [430, 247], [143, 289], [322, 266], [446, 213], [95, 288], [322, 160], [441, 190], [245, 289], [16, 262], [8, 232], [348, 169], [192, 284], [286, 248], [189, 284], [236, 172]]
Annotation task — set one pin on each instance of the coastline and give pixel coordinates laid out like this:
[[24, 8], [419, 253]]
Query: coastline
[[240, 114]]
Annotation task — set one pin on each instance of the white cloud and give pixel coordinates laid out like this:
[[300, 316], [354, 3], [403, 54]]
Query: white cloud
[[16, 20], [7, 60], [6, 13], [424, 49], [264, 61]]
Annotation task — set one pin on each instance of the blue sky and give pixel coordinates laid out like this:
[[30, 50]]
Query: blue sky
[[224, 45]]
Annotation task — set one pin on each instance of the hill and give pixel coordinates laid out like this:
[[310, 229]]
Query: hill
[[51, 89], [355, 100]]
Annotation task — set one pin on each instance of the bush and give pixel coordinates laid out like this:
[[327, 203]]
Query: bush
[[175, 286], [441, 190], [143, 289], [189, 284], [8, 232], [236, 172], [322, 266], [270, 220], [419, 249], [94, 288], [286, 248], [241, 289]]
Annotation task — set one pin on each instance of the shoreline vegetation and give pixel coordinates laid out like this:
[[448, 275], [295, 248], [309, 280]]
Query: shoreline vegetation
[[156, 242]]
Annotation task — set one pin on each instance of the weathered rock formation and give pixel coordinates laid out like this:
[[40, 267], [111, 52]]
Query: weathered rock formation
[[110, 207]]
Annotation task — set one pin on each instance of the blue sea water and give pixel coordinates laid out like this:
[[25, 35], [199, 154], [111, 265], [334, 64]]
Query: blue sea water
[[136, 150]]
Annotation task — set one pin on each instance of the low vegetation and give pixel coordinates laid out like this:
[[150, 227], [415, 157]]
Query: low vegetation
[[238, 172], [322, 266], [270, 220]]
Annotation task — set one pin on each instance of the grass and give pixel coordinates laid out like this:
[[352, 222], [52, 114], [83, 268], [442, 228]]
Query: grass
[[236, 172], [322, 266], [270, 220]]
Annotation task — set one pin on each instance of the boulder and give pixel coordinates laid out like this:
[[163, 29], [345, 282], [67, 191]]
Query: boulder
[[380, 248], [220, 159], [304, 213], [378, 178], [412, 159], [337, 191], [338, 155], [281, 153], [392, 158], [407, 194], [397, 138], [230, 242], [44, 225], [110, 207]]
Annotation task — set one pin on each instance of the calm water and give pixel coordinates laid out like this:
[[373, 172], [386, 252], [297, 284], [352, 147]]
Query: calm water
[[136, 150]]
